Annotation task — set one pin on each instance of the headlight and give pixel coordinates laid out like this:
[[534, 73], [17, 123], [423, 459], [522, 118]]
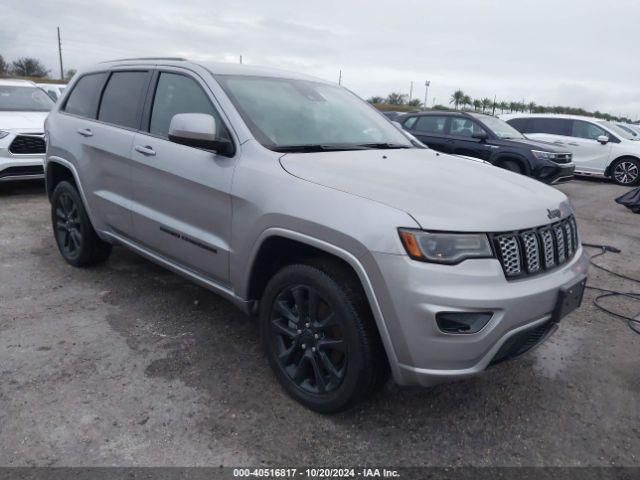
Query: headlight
[[448, 248], [3, 133], [543, 155]]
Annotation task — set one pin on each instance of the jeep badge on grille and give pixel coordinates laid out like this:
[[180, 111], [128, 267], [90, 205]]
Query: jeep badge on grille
[[554, 213]]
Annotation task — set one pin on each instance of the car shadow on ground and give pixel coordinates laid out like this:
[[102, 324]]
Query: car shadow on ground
[[26, 187]]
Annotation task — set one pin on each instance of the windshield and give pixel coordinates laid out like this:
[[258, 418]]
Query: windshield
[[630, 131], [501, 128], [300, 115], [617, 130], [24, 99]]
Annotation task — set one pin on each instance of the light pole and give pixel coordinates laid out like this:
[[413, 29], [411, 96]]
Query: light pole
[[426, 93]]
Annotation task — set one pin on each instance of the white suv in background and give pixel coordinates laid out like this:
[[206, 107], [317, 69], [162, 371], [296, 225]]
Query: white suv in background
[[600, 148], [54, 90], [23, 109]]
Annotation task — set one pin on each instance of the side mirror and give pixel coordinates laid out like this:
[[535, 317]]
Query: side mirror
[[198, 130], [479, 135], [603, 139]]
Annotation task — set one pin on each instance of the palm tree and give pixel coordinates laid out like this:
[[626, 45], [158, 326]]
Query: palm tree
[[477, 104], [532, 106], [396, 98], [457, 98], [466, 101], [486, 103]]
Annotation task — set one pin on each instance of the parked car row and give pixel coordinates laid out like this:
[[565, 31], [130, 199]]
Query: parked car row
[[600, 148], [493, 140], [363, 253]]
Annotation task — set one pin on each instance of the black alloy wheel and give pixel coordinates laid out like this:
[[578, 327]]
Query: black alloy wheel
[[320, 336], [77, 241], [308, 339], [67, 226]]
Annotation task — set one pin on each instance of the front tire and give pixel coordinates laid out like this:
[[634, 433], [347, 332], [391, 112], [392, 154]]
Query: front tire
[[511, 165], [626, 171], [77, 241], [320, 337]]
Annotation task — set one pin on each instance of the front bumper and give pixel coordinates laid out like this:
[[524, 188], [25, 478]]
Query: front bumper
[[554, 173], [14, 167], [418, 291]]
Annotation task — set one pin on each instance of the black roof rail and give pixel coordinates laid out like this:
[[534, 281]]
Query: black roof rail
[[177, 59]]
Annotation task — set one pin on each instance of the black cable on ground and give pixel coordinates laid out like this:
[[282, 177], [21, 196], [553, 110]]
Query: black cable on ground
[[634, 324]]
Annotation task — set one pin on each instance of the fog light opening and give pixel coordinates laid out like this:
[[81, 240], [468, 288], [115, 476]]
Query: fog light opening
[[462, 322]]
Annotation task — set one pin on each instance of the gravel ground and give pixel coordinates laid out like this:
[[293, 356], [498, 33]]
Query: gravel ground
[[128, 364]]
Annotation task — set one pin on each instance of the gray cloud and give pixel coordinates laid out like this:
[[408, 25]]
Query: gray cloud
[[574, 52]]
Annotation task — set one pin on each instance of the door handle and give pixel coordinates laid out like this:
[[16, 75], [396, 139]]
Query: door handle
[[450, 140], [558, 142], [573, 144], [148, 151], [85, 132]]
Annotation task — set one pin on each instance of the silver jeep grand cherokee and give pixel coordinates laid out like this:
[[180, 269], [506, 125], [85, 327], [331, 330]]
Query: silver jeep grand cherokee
[[362, 252]]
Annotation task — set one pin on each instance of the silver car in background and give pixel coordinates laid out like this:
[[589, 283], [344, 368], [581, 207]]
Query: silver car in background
[[362, 253]]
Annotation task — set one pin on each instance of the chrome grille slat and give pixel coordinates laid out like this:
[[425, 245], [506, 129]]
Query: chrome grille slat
[[533, 251], [510, 251]]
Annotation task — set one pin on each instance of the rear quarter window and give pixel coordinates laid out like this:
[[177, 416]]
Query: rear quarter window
[[83, 99]]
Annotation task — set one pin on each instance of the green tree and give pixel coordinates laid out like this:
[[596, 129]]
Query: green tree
[[456, 98], [70, 73], [414, 103], [395, 98], [4, 68], [28, 67], [466, 101], [477, 104], [486, 104]]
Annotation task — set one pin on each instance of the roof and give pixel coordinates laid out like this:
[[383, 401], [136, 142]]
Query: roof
[[508, 116], [15, 82], [216, 68]]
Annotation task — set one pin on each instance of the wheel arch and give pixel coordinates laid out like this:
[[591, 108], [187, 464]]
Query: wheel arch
[[266, 259], [520, 159], [607, 171]]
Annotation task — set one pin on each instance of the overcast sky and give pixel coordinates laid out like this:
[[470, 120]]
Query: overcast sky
[[571, 52]]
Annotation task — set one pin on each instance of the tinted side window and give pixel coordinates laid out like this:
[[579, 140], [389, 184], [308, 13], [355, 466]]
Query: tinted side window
[[179, 94], [587, 130], [409, 122], [519, 124], [429, 124], [122, 98], [463, 127], [83, 100], [553, 126]]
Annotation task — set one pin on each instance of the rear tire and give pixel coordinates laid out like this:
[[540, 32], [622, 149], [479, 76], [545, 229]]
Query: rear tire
[[511, 165], [626, 171], [77, 241], [320, 336]]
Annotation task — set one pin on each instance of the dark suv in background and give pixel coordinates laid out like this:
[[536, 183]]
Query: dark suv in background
[[490, 139]]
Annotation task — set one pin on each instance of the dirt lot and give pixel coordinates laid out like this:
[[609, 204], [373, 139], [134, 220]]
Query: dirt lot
[[128, 364]]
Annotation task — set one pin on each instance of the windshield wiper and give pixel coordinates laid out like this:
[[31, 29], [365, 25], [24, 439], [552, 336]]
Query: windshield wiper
[[318, 148], [384, 145]]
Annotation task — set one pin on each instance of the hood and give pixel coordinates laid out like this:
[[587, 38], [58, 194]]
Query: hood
[[441, 192], [23, 121], [539, 145]]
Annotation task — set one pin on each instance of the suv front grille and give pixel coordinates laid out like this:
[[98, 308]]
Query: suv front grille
[[563, 158], [528, 252], [27, 145]]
